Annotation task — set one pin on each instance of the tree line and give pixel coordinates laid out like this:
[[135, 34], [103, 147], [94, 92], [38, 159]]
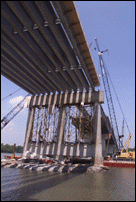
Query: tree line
[[131, 149], [9, 148]]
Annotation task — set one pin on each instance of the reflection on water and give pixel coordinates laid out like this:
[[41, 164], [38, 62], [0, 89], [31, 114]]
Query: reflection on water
[[117, 184]]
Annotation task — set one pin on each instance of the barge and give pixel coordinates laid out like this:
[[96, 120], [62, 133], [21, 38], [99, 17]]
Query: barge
[[119, 164], [10, 157]]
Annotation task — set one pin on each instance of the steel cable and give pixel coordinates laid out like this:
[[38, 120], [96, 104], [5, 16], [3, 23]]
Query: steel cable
[[10, 94]]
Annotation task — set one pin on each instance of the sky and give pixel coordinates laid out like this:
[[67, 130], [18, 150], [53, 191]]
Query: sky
[[113, 24]]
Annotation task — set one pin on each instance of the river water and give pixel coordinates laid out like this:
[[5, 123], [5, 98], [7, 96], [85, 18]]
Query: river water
[[117, 184]]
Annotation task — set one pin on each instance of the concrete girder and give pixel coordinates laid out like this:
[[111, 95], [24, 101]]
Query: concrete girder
[[35, 80], [26, 24], [61, 41], [40, 71], [57, 5], [34, 50], [50, 42], [50, 85], [72, 18], [40, 85], [23, 28]]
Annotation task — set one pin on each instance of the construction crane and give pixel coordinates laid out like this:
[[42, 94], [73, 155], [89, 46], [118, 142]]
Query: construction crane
[[13, 112], [127, 154], [122, 132], [114, 127]]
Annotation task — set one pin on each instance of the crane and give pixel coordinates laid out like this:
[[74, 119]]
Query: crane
[[114, 127], [127, 154], [13, 112], [122, 131]]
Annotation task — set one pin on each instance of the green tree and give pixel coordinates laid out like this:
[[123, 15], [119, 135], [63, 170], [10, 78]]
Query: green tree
[[19, 149], [9, 148]]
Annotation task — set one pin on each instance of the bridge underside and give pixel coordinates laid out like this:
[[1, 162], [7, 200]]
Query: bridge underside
[[42, 42], [69, 124]]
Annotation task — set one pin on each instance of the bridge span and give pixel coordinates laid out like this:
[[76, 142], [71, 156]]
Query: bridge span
[[44, 51], [42, 43]]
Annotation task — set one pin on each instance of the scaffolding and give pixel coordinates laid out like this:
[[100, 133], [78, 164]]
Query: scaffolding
[[78, 125], [44, 125]]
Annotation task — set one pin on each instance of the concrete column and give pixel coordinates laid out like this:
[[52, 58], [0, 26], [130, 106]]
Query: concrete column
[[98, 135], [28, 129], [60, 131], [41, 150], [85, 150], [78, 149]]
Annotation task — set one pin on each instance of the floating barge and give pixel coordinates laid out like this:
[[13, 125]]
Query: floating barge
[[119, 164], [9, 157]]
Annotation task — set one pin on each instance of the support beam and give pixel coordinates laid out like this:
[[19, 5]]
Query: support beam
[[61, 38], [98, 135], [52, 44], [73, 38], [61, 123], [68, 98], [28, 129]]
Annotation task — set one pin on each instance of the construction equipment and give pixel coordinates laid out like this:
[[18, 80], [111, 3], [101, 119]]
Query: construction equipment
[[13, 153], [107, 157], [114, 127], [13, 112], [121, 136], [127, 154]]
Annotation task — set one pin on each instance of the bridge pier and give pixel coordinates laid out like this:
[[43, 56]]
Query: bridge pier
[[60, 131], [66, 124], [98, 135], [28, 128]]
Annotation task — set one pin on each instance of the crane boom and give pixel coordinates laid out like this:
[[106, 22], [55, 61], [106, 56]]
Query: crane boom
[[13, 113], [127, 143], [114, 130]]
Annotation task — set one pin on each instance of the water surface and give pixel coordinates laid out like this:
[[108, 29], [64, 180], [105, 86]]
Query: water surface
[[117, 184]]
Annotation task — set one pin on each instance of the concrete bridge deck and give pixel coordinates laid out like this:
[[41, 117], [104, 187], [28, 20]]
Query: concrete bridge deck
[[42, 42]]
